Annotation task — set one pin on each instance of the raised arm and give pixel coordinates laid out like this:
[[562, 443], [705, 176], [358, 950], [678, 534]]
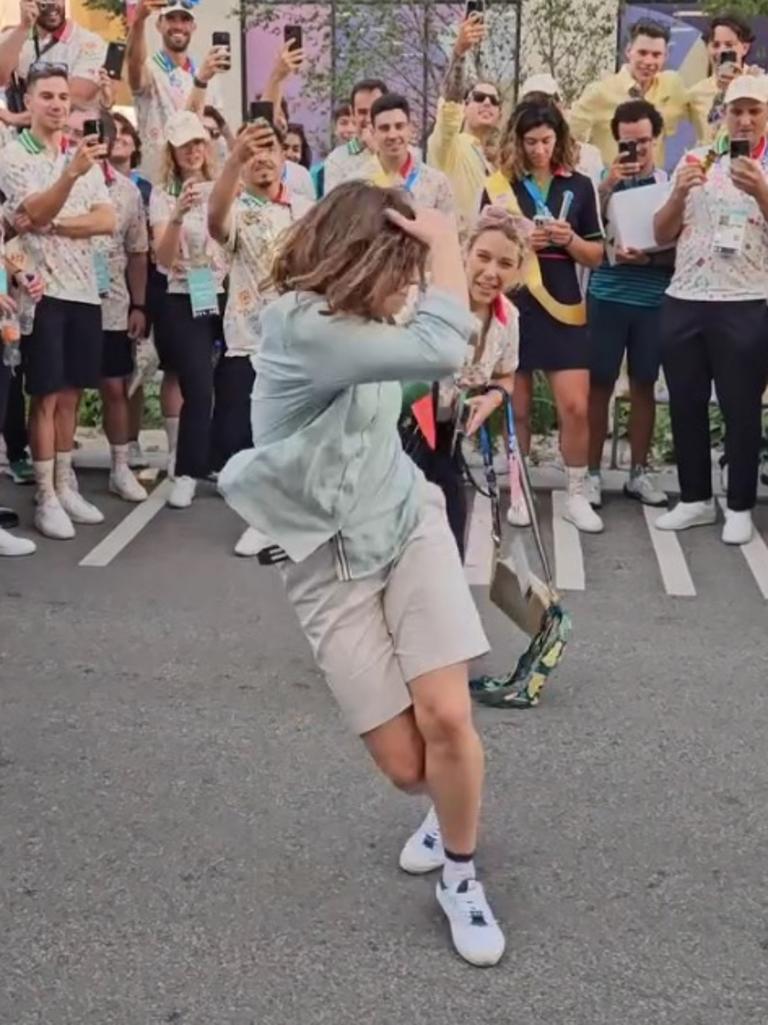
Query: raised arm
[[217, 60], [12, 41], [136, 51], [288, 63], [43, 208], [668, 220]]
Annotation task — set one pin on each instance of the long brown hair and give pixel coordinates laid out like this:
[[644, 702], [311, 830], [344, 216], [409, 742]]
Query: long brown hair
[[524, 119], [346, 250], [171, 172]]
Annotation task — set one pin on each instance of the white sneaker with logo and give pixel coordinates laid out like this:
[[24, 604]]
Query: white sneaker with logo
[[642, 486], [52, 521], [183, 493], [123, 483], [577, 510], [423, 851], [78, 510], [251, 543], [475, 932]]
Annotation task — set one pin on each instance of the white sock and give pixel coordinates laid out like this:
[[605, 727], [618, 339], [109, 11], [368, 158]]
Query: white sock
[[119, 455], [455, 872], [430, 824], [44, 478], [577, 476], [64, 474], [172, 432]]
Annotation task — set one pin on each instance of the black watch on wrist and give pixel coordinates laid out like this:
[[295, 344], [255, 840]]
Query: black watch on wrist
[[199, 83], [497, 387]]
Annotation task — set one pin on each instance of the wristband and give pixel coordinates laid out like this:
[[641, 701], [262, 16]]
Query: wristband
[[199, 83]]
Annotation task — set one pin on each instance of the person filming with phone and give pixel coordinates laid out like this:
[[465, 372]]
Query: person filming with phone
[[714, 320], [45, 33], [728, 39], [624, 310]]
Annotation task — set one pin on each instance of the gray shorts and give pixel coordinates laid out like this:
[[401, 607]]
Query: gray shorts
[[371, 637]]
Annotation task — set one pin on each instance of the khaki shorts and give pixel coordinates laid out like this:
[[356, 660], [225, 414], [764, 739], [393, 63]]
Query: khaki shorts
[[371, 637]]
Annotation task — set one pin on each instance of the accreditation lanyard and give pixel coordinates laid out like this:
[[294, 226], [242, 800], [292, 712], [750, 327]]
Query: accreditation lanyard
[[538, 197]]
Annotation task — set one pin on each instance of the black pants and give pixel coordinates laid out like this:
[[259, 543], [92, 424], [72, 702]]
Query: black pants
[[231, 427], [5, 383], [14, 421], [186, 346], [724, 342], [446, 470]]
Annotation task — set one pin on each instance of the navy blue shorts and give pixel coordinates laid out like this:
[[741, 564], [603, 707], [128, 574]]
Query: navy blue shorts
[[117, 357], [65, 347], [618, 328]]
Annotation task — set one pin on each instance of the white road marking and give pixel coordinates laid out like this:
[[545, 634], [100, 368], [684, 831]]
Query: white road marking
[[756, 554], [129, 528], [478, 561], [670, 557], [569, 558]]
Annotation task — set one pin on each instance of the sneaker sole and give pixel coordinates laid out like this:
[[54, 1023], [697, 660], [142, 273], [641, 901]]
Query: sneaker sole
[[126, 498], [641, 500], [689, 526], [420, 868], [489, 961], [584, 530]]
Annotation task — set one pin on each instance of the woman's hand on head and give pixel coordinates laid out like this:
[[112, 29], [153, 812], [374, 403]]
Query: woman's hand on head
[[428, 226]]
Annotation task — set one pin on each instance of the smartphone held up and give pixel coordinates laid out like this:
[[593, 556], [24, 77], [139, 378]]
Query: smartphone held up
[[223, 41]]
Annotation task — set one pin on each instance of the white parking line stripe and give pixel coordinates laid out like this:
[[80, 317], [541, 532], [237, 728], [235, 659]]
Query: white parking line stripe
[[569, 558], [129, 528], [478, 562], [756, 554], [670, 557]]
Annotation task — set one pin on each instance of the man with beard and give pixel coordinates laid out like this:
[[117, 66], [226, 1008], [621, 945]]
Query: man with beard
[[162, 84], [248, 210], [44, 33]]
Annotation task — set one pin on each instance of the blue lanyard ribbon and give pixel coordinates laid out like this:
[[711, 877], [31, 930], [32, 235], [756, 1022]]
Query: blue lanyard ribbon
[[412, 179], [533, 190]]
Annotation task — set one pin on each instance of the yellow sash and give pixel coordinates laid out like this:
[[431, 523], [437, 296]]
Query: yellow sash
[[500, 193]]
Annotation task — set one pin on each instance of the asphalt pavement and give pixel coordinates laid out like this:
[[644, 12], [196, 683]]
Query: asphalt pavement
[[188, 834]]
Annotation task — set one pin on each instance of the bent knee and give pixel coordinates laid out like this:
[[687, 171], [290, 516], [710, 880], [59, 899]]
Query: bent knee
[[446, 723], [407, 774]]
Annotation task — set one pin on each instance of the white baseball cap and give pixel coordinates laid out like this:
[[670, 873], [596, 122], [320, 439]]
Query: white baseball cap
[[184, 126], [541, 83], [748, 87], [180, 7]]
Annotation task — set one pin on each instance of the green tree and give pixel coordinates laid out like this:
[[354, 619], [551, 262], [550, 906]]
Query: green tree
[[114, 8], [749, 8]]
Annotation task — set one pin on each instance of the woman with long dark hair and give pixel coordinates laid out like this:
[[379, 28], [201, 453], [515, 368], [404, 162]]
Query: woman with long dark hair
[[539, 180], [373, 572]]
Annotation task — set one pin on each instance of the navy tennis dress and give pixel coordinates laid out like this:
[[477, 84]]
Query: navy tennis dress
[[545, 343]]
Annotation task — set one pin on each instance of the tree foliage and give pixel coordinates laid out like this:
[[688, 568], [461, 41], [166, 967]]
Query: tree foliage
[[748, 8]]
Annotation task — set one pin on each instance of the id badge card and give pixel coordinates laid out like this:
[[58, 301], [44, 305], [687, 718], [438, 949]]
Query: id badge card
[[103, 277], [3, 281], [202, 292], [730, 230]]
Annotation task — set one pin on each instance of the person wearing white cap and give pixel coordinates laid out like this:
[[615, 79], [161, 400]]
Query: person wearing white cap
[[714, 321], [44, 33], [188, 323], [590, 161], [163, 83]]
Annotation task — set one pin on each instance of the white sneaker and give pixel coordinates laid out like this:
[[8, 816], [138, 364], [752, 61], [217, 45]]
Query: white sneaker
[[423, 851], [594, 490], [123, 483], [52, 520], [738, 528], [643, 487], [688, 514], [78, 510], [136, 458], [580, 513], [517, 514], [170, 466], [183, 493], [475, 932], [251, 543], [11, 546]]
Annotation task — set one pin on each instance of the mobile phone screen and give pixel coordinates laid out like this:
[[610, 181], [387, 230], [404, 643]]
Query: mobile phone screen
[[114, 60], [628, 152], [739, 148], [293, 36], [93, 126], [475, 7], [262, 109]]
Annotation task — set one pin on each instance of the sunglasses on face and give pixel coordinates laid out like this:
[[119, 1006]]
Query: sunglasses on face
[[478, 96]]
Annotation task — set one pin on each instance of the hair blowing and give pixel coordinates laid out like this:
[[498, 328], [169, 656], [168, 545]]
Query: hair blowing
[[346, 250]]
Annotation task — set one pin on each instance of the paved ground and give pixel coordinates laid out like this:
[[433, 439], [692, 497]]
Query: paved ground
[[188, 834]]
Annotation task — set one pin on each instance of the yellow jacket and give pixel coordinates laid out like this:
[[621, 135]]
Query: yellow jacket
[[590, 116], [460, 157]]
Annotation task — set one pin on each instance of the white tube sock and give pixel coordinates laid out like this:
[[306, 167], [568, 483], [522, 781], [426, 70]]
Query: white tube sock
[[64, 474], [119, 455], [44, 469], [172, 432]]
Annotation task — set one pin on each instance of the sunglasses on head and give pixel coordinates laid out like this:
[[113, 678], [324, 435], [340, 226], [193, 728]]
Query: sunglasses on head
[[478, 96], [42, 68]]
